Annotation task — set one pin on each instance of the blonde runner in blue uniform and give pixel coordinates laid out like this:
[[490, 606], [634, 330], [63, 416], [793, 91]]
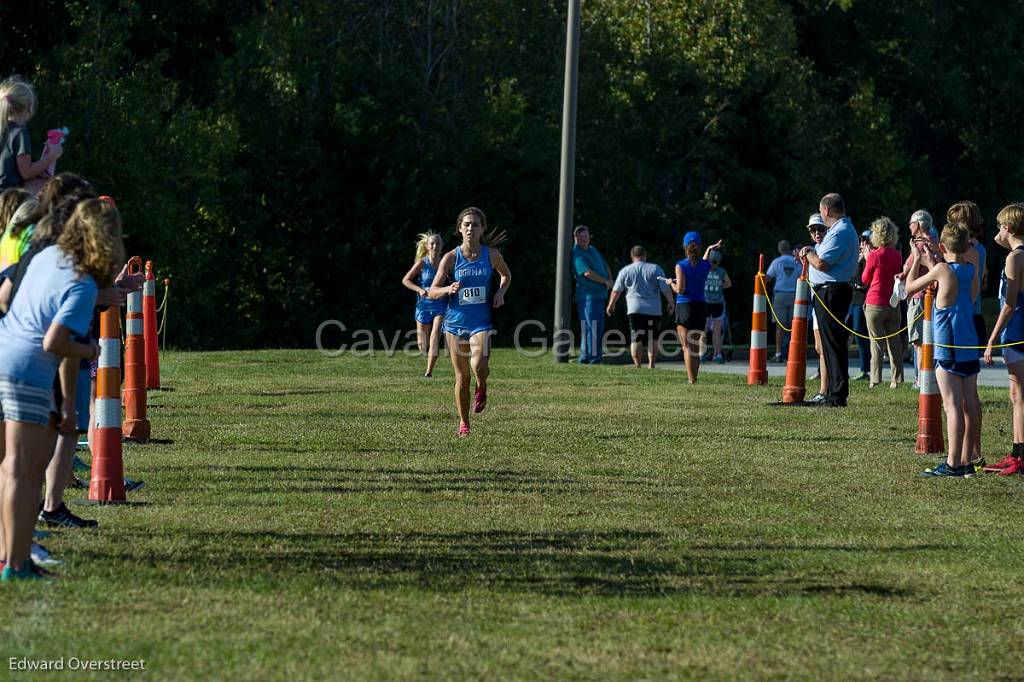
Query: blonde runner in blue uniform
[[429, 312], [464, 275]]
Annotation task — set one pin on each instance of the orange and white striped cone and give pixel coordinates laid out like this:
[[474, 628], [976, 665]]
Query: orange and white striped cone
[[149, 328], [758, 373], [929, 402], [136, 425], [796, 366], [107, 481]]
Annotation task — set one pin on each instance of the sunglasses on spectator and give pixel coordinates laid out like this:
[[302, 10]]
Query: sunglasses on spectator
[[817, 228]]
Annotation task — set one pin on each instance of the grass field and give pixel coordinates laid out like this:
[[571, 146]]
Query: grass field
[[315, 518]]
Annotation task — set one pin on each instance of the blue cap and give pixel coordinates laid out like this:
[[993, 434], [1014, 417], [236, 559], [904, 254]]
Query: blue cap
[[691, 238]]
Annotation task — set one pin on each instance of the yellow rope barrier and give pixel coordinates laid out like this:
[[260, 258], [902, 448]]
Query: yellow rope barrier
[[841, 324], [774, 314], [889, 336], [863, 336]]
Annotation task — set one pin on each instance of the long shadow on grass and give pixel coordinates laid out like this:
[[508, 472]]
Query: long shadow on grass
[[276, 480], [555, 563]]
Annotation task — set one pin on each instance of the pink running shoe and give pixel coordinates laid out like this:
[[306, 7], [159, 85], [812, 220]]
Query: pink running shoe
[[479, 400], [1016, 467], [463, 429], [1001, 464]]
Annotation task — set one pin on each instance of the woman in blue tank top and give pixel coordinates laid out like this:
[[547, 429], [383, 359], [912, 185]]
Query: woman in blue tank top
[[691, 308], [1009, 329], [429, 311], [968, 214], [956, 368], [465, 277]]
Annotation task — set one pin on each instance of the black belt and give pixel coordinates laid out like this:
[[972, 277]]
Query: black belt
[[826, 285]]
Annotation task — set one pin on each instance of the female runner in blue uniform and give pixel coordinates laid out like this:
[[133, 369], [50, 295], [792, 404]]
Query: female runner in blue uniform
[[429, 311], [956, 361], [464, 275], [1009, 329]]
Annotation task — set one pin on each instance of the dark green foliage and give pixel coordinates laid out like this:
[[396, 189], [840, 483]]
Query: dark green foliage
[[277, 159]]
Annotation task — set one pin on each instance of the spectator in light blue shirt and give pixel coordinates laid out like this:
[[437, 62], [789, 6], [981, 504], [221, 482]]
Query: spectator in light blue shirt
[[835, 258], [593, 280]]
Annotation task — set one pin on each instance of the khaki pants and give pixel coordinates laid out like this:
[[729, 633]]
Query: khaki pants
[[883, 320]]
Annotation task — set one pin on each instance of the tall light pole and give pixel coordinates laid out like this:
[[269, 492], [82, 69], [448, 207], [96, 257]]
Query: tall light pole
[[566, 189]]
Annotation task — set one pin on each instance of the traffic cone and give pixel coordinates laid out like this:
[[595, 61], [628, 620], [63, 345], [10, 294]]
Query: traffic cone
[[796, 366], [758, 373], [929, 402], [152, 360], [107, 481], [136, 426]]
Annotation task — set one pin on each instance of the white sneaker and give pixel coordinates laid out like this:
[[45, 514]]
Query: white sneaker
[[41, 556]]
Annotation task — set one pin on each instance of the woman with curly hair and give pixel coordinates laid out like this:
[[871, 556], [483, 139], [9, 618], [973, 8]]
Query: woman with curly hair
[[883, 263], [55, 302]]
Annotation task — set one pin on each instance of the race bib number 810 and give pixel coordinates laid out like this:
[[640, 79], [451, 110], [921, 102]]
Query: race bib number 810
[[472, 295]]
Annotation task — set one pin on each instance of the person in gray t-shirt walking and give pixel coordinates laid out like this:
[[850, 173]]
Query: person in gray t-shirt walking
[[645, 285]]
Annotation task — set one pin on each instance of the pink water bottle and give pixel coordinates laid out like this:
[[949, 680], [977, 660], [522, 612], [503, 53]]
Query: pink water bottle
[[54, 138]]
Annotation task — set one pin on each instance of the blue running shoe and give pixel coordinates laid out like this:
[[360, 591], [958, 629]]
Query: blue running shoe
[[130, 484], [944, 470]]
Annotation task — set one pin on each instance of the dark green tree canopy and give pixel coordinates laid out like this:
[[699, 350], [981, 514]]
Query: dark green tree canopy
[[277, 159]]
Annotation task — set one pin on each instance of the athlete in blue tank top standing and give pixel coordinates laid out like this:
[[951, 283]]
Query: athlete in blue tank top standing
[[968, 214], [691, 308], [429, 311], [1009, 329], [956, 363], [465, 276]]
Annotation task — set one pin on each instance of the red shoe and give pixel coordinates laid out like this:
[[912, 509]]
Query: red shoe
[[1000, 465], [479, 400], [463, 429], [1016, 467]]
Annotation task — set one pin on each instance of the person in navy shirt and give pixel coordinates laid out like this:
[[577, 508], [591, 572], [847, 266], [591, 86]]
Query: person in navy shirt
[[593, 280], [835, 259]]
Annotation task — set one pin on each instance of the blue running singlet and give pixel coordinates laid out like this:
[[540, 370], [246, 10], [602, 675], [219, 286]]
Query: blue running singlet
[[1014, 330], [696, 276], [954, 325], [469, 310], [427, 308]]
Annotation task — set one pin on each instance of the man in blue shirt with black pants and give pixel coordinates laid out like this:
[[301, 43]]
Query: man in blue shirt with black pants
[[836, 260], [593, 280]]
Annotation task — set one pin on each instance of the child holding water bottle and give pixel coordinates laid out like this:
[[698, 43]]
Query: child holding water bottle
[[17, 106]]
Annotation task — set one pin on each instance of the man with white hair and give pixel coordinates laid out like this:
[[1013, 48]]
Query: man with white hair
[[921, 227]]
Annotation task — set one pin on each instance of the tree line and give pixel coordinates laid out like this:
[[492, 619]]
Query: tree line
[[277, 158]]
